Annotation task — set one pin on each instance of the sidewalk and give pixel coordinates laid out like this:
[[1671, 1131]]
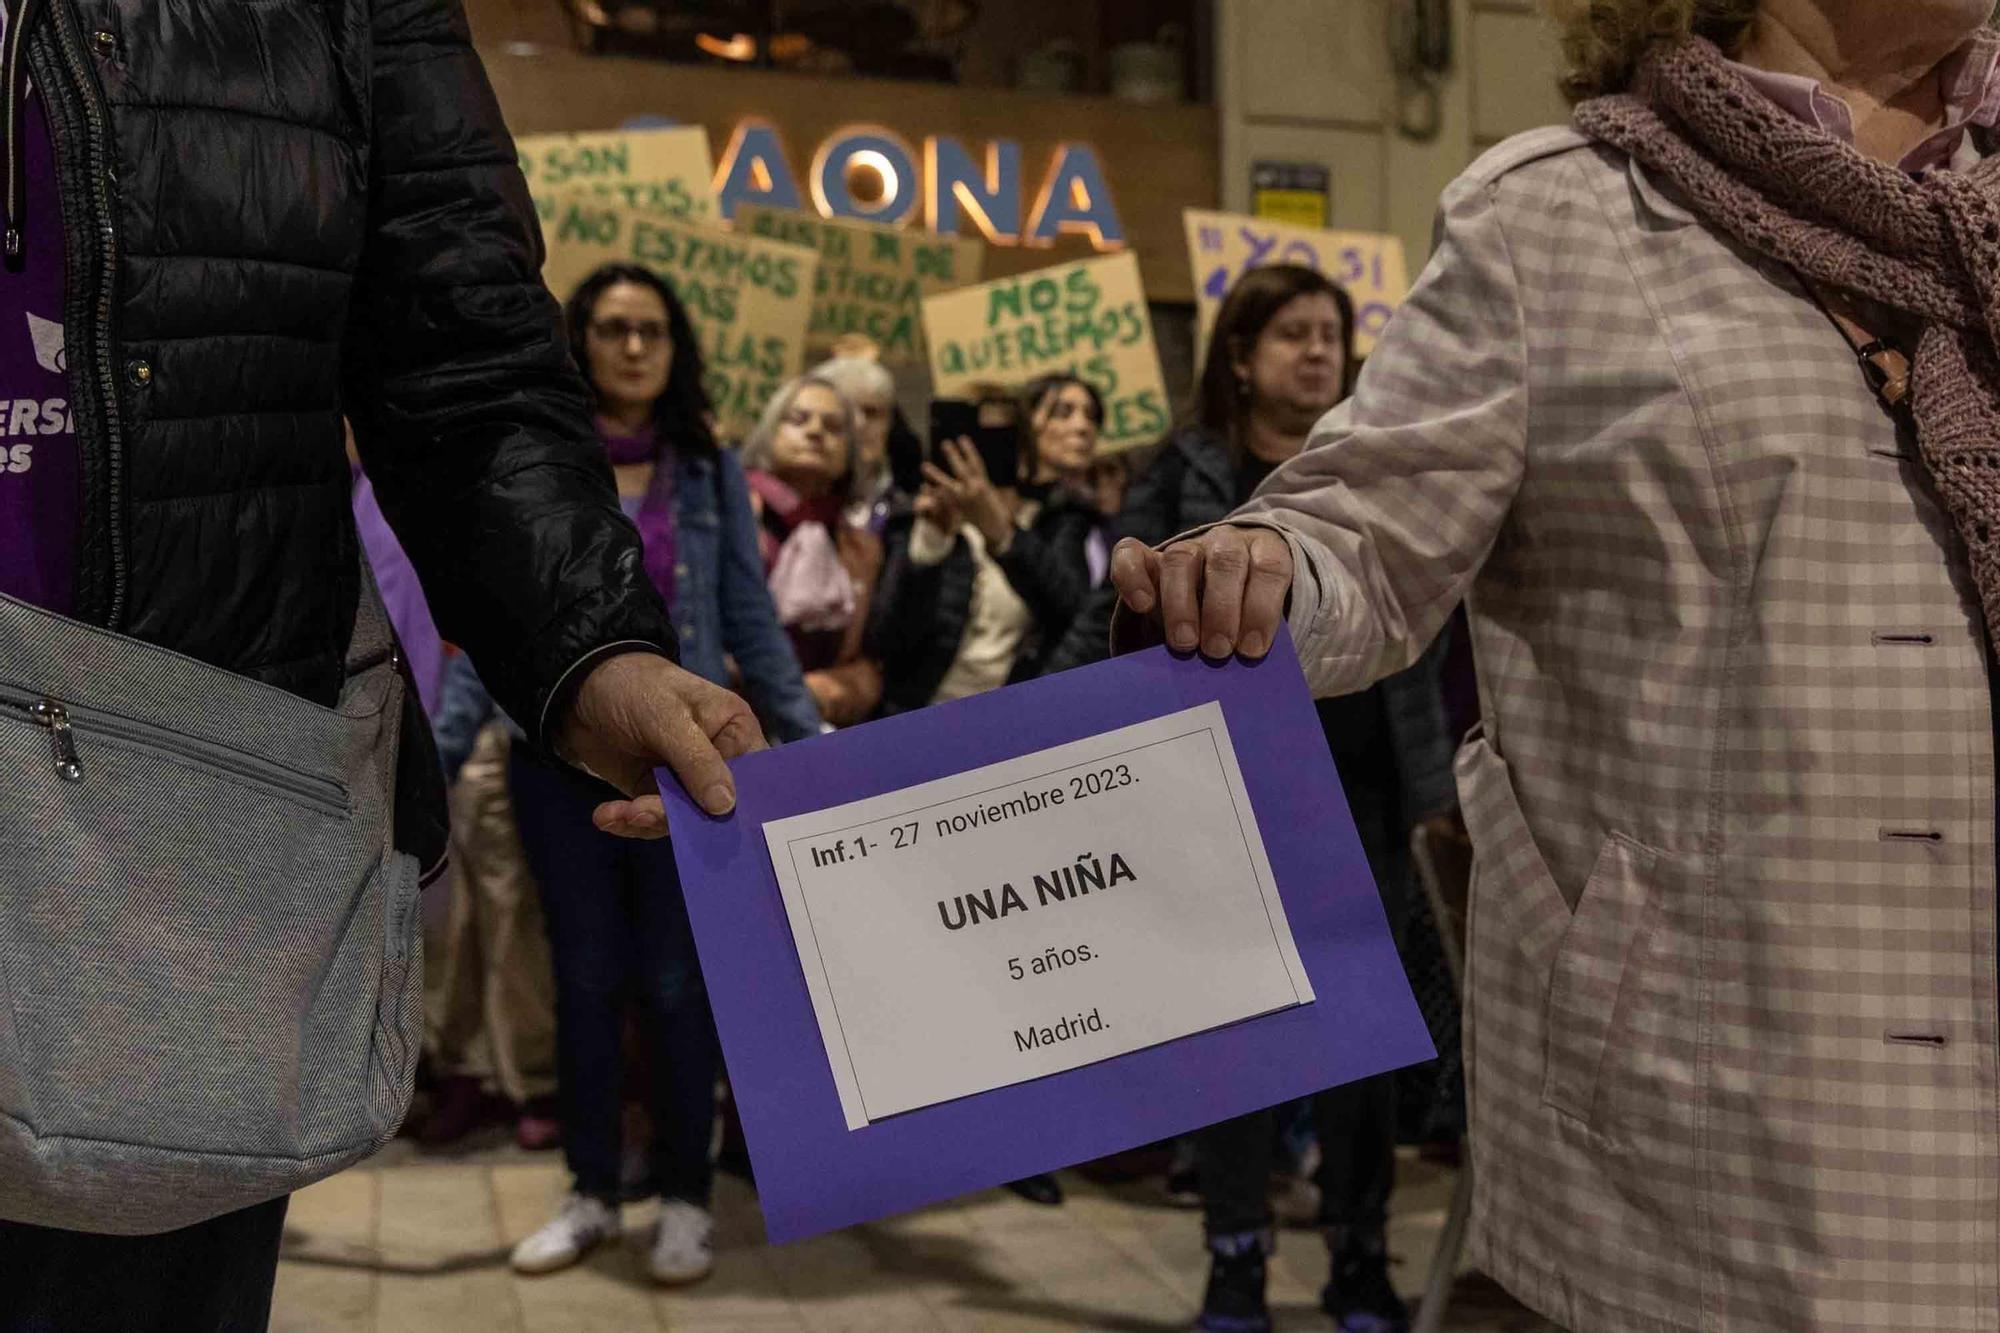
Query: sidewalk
[[419, 1244]]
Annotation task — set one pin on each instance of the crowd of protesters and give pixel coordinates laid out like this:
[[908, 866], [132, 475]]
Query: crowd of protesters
[[834, 566]]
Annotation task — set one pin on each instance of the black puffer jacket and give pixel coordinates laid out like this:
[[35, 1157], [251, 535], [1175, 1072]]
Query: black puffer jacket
[[279, 212], [921, 611]]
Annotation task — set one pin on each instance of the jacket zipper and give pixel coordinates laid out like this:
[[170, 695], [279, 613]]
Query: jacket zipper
[[62, 724], [69, 43], [13, 90]]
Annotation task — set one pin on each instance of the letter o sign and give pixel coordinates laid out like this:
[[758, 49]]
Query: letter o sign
[[866, 172]]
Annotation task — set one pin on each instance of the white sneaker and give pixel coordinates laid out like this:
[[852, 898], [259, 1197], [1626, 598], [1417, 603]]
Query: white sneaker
[[582, 1224], [684, 1249]]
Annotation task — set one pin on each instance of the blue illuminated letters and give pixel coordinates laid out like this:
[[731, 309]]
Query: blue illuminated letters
[[958, 192]]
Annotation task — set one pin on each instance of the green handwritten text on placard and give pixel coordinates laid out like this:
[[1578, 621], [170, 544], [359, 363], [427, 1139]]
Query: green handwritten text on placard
[[872, 279], [749, 298], [1088, 318], [665, 173]]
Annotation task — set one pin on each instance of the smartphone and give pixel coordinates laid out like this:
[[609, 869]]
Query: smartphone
[[906, 457], [992, 424]]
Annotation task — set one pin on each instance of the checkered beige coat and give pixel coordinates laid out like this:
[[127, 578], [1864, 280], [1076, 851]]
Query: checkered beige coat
[[1731, 1025]]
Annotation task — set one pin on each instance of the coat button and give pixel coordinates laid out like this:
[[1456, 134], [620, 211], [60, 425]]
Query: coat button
[[139, 372], [681, 570], [105, 41]]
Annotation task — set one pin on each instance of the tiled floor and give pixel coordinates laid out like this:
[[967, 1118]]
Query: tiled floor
[[417, 1244]]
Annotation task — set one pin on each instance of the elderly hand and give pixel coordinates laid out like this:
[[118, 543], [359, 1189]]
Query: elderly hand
[[637, 711], [1222, 592]]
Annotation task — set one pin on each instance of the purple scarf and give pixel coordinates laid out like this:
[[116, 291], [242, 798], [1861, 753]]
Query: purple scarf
[[653, 512], [1795, 194]]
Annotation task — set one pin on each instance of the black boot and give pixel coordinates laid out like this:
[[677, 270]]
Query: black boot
[[1234, 1302], [1359, 1295]]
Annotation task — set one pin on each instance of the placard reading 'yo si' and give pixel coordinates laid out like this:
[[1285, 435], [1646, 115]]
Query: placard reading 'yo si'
[[664, 173], [750, 299], [872, 278], [1222, 247], [1087, 318]]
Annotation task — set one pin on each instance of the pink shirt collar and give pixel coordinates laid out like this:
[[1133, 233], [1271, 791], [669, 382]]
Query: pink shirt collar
[[1972, 97]]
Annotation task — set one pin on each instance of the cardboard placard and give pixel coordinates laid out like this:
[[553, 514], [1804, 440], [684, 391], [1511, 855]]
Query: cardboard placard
[[750, 299], [661, 173], [1088, 318], [1222, 247], [872, 278]]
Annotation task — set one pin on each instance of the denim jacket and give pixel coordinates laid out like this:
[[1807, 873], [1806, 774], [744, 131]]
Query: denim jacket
[[721, 605], [721, 609]]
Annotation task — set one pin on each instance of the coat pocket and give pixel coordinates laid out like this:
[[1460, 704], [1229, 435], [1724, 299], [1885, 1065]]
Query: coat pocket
[[1590, 972]]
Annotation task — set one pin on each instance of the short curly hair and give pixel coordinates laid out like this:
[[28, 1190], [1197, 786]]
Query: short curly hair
[[1602, 40]]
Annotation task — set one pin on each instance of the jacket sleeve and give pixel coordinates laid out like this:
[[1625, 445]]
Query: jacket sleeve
[[751, 632], [1046, 565], [470, 417], [1400, 494], [906, 600], [464, 708]]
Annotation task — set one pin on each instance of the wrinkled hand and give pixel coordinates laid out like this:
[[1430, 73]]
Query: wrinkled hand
[[637, 711], [1222, 592], [972, 492]]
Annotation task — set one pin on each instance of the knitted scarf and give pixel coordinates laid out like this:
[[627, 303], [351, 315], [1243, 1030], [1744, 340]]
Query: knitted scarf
[[1926, 245]]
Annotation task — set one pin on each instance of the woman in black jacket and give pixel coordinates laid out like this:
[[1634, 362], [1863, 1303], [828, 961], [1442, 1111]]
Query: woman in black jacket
[[316, 212], [983, 578], [1280, 357]]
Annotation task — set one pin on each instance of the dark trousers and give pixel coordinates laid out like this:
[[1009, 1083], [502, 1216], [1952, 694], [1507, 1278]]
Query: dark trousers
[[618, 929], [213, 1277], [1357, 1122], [1357, 1138]]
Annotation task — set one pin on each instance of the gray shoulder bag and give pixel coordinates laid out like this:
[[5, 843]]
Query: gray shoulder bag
[[210, 953]]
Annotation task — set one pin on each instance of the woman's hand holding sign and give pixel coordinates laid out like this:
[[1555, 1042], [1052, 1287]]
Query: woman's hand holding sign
[[1222, 591]]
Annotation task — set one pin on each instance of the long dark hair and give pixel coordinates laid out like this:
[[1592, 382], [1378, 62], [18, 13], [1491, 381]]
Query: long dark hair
[[1038, 392], [1249, 308], [681, 412]]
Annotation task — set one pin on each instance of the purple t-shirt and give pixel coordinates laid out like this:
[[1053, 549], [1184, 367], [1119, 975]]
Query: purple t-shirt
[[40, 495]]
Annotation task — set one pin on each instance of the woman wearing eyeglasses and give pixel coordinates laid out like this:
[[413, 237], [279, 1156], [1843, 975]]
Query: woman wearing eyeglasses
[[618, 926]]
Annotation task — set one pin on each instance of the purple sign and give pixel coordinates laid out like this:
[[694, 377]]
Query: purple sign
[[814, 1174]]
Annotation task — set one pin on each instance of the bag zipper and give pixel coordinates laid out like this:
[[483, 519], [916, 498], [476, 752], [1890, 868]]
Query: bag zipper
[[62, 725]]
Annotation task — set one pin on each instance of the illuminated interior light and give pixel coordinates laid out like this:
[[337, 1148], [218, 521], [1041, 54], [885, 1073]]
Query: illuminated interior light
[[741, 46]]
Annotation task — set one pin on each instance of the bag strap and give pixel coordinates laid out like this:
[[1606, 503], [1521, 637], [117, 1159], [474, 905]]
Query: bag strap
[[1884, 364], [373, 641]]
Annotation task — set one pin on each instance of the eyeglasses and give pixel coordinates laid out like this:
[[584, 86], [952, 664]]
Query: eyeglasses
[[620, 332]]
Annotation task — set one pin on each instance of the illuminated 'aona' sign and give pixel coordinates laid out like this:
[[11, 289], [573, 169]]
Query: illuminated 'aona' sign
[[952, 188]]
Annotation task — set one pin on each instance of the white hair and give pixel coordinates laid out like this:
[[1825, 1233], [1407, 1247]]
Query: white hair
[[757, 446], [857, 377]]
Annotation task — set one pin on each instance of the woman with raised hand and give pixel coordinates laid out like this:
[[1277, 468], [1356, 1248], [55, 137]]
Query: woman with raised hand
[[1697, 404], [986, 574]]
